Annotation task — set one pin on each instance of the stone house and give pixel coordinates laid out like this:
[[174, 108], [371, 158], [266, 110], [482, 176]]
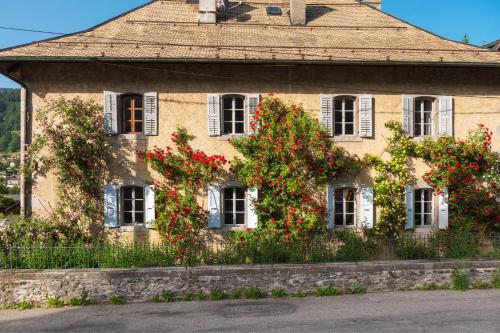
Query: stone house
[[205, 64]]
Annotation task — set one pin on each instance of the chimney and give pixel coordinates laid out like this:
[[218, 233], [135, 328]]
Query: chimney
[[377, 4], [207, 13], [298, 12]]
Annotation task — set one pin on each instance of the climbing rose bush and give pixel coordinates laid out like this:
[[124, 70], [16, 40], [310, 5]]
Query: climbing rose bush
[[468, 170], [185, 173], [289, 159]]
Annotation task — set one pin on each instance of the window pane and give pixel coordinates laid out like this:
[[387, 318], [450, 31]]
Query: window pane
[[427, 129], [228, 103], [427, 117], [239, 103], [228, 128], [239, 115], [338, 104], [339, 207], [418, 117], [138, 127], [228, 193], [128, 127], [349, 104], [339, 195], [418, 131], [240, 218], [427, 195], [418, 105], [228, 205], [239, 128], [127, 218], [127, 101], [228, 115], [138, 102], [349, 219], [127, 205], [427, 219], [240, 205], [338, 117], [139, 205], [240, 193], [339, 219], [138, 115], [350, 207], [127, 114], [338, 129], [349, 117], [418, 219], [139, 217], [228, 218], [349, 129], [127, 192], [427, 105]]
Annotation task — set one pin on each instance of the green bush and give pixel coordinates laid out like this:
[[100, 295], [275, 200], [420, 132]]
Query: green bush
[[235, 294], [496, 280], [117, 300], [278, 293], [55, 302], [432, 286], [461, 280], [81, 301], [188, 297], [482, 285], [299, 293], [253, 293], [462, 242], [217, 295], [24, 305], [200, 296], [357, 288], [328, 291], [354, 248], [156, 298], [167, 296], [409, 248]]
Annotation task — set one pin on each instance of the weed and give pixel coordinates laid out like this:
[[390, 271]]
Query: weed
[[217, 295], [81, 301], [299, 293], [278, 293], [24, 305], [200, 296], [432, 286], [116, 300], [168, 296], [461, 279], [356, 289], [156, 298], [253, 293], [55, 302], [496, 279], [328, 291], [235, 294], [482, 285], [188, 297]]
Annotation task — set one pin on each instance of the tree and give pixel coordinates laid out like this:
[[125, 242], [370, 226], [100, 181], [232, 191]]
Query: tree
[[466, 39]]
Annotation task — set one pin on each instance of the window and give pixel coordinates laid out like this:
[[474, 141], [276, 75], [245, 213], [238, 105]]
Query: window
[[132, 113], [234, 205], [423, 207], [422, 116], [233, 114], [133, 204], [343, 117], [344, 206]]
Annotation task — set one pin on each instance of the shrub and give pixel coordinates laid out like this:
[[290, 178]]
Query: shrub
[[299, 293], [217, 295], [117, 300], [278, 293], [354, 247], [55, 302], [496, 279], [409, 248], [461, 280], [328, 291], [433, 286], [81, 301], [235, 294], [156, 298], [24, 305], [168, 296], [188, 297], [482, 285], [356, 289], [253, 293], [462, 242], [200, 296]]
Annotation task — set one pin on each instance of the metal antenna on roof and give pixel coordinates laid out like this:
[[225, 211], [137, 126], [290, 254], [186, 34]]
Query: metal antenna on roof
[[227, 5]]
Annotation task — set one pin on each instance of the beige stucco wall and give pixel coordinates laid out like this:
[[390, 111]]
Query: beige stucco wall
[[182, 100]]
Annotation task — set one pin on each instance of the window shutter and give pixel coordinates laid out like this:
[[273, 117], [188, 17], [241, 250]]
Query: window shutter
[[111, 206], [252, 196], [366, 116], [213, 106], [151, 113], [408, 115], [446, 115], [111, 112], [214, 208], [443, 210], [149, 195], [252, 103], [330, 202], [326, 117], [367, 207], [410, 223]]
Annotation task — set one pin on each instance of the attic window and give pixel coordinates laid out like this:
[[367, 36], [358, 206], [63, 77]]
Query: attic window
[[273, 10]]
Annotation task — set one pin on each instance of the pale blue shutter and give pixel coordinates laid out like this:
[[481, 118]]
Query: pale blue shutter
[[366, 116], [111, 206], [213, 108], [367, 207], [410, 218], [408, 115], [443, 210], [252, 196], [446, 115], [252, 103], [214, 207], [151, 113], [326, 113], [111, 112], [149, 196], [330, 202]]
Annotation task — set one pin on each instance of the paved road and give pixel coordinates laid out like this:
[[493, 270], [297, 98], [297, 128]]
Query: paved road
[[432, 311]]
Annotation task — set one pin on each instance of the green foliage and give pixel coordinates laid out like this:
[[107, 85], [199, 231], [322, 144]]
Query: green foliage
[[168, 296], [391, 179], [496, 279], [253, 293], [187, 297], [156, 298], [185, 174], [461, 279], [462, 242], [482, 285], [235, 294], [24, 305], [200, 296], [299, 293], [73, 145], [354, 248], [279, 293], [357, 288], [411, 248], [55, 302], [117, 300], [290, 159], [10, 120], [466, 39], [83, 300], [433, 286], [7, 205], [328, 291], [217, 295]]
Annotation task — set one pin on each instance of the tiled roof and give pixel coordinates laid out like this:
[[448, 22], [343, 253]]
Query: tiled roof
[[495, 46], [337, 31]]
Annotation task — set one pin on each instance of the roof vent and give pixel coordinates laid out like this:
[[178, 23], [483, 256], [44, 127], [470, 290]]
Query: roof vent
[[273, 10]]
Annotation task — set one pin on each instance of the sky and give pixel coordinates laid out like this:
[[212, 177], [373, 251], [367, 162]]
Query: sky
[[451, 19]]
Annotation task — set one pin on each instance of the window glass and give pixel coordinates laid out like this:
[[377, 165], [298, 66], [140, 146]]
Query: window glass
[[344, 209], [233, 114], [423, 117], [133, 205], [132, 114], [234, 205], [344, 116], [423, 205]]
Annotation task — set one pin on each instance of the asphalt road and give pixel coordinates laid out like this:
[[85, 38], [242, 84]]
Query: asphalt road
[[422, 311]]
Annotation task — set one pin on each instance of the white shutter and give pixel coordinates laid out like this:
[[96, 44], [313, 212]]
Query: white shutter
[[111, 112], [252, 196], [326, 116], [213, 106], [111, 206], [410, 218], [151, 113], [149, 195], [330, 202], [252, 103], [443, 210], [446, 115], [367, 207], [408, 115], [366, 116], [214, 207]]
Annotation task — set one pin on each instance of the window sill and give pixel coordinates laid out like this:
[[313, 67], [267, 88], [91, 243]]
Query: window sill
[[347, 138], [133, 228], [133, 137], [227, 137]]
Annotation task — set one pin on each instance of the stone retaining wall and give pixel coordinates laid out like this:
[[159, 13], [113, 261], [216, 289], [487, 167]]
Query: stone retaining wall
[[143, 284]]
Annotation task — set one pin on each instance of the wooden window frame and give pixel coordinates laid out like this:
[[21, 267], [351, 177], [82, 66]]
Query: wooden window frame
[[133, 200], [343, 122], [233, 114], [344, 206], [422, 202], [421, 100], [133, 111], [234, 210]]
